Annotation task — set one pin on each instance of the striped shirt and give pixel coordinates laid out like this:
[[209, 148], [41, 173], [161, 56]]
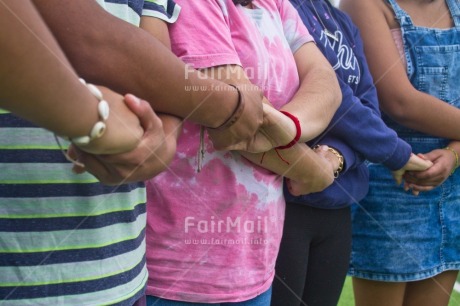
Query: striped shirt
[[131, 10], [66, 239]]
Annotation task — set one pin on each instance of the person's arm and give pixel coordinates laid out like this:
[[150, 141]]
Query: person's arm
[[172, 125], [309, 170], [298, 162], [109, 51], [319, 93], [153, 154], [39, 84], [150, 157], [398, 98], [314, 104], [314, 171]]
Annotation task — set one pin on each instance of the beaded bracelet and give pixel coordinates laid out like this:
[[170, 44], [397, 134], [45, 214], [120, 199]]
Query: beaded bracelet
[[456, 158], [236, 113], [98, 128], [297, 129]]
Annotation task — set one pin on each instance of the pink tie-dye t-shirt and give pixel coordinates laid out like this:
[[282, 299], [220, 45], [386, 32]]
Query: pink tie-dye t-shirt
[[213, 236]]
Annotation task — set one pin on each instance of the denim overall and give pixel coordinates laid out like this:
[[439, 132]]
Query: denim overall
[[397, 236]]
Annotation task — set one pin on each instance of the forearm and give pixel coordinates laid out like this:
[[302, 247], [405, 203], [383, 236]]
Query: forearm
[[319, 93], [298, 163], [397, 96], [424, 113], [39, 84], [144, 67], [33, 81]]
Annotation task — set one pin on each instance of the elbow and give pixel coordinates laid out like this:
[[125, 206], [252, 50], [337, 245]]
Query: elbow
[[336, 97], [397, 109], [333, 99], [397, 102], [336, 93]]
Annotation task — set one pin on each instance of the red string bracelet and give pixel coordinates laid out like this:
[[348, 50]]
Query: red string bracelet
[[277, 153], [298, 131]]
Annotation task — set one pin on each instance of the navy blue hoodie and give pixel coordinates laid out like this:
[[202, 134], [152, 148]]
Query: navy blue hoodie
[[356, 129]]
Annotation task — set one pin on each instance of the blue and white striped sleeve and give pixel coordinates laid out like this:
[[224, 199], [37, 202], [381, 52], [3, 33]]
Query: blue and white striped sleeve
[[166, 10]]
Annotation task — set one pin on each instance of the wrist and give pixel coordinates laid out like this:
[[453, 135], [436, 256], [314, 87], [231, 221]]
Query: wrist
[[456, 158], [298, 133], [339, 160], [236, 113]]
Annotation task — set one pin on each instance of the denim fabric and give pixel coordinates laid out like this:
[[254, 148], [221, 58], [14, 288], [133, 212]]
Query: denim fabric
[[260, 300], [396, 236]]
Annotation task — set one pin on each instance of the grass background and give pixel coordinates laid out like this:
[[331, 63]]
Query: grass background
[[346, 299]]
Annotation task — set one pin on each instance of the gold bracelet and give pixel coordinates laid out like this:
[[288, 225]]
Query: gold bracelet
[[339, 156], [456, 158]]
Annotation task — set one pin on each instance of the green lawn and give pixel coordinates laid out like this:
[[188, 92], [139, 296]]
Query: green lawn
[[346, 299]]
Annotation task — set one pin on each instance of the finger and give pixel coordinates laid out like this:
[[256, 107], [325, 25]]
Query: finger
[[321, 148], [96, 167], [426, 178], [291, 189], [422, 188], [142, 109], [72, 151], [77, 169], [406, 186], [419, 176], [424, 183], [422, 156], [397, 176], [417, 163]]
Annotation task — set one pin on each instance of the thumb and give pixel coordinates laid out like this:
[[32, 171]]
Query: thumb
[[422, 156], [417, 163], [398, 176], [142, 110]]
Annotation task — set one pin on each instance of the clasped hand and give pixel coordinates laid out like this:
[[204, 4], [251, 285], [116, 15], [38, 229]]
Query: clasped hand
[[443, 161], [276, 130], [150, 156], [415, 163]]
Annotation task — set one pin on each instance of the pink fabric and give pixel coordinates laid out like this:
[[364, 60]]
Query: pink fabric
[[397, 37], [214, 236]]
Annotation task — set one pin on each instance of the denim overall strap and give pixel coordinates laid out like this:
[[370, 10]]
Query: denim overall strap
[[454, 6], [404, 20], [433, 59]]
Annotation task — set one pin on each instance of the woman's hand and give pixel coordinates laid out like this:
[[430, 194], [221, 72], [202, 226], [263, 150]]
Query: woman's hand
[[297, 188], [154, 152], [123, 129], [277, 130], [443, 162], [415, 163]]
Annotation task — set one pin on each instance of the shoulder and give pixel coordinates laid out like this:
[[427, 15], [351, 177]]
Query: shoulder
[[369, 11]]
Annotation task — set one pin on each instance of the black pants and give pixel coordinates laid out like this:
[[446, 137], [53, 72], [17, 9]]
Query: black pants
[[314, 256]]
